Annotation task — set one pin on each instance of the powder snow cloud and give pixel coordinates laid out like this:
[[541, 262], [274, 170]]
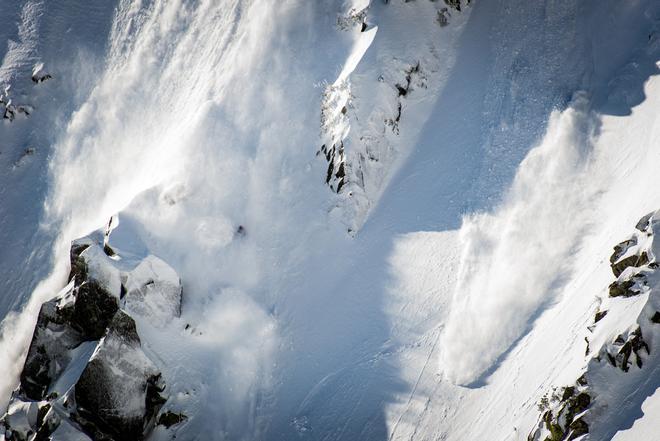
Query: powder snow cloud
[[513, 259]]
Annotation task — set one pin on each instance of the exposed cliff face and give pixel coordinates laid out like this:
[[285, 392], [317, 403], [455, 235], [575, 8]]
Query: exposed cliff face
[[87, 374]]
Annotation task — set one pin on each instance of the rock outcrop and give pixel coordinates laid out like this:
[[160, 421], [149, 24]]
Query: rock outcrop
[[564, 420], [625, 331], [86, 375], [368, 114]]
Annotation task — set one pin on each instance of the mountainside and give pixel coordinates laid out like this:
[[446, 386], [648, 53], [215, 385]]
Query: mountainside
[[329, 220]]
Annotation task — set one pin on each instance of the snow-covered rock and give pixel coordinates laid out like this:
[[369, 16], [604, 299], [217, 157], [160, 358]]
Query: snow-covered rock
[[118, 393], [622, 351], [153, 291], [362, 110], [39, 74], [114, 391], [22, 417], [66, 431]]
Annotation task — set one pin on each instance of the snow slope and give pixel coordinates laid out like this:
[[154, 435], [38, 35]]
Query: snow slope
[[436, 288]]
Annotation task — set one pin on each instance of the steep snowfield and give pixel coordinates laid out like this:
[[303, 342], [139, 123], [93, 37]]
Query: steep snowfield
[[385, 227]]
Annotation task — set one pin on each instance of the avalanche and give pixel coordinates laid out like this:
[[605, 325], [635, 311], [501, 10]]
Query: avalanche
[[329, 220]]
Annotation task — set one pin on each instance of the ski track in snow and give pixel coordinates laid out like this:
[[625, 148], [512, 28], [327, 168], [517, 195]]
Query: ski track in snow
[[193, 118]]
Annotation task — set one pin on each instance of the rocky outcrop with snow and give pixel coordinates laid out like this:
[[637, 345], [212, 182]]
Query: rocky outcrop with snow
[[621, 357], [87, 374], [362, 111]]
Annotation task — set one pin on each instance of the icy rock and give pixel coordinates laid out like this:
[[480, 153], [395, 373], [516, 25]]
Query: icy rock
[[153, 291], [643, 223], [100, 268], [67, 432], [39, 74], [23, 417], [621, 248], [169, 419], [48, 354], [118, 393], [81, 313], [115, 394]]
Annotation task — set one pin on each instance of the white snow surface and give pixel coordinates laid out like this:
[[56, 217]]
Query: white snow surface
[[481, 224]]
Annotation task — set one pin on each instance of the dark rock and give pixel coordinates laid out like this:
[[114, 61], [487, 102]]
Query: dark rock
[[633, 345], [456, 4], [443, 17], [582, 381], [169, 419], [621, 248], [600, 315], [107, 249], [340, 172], [93, 310], [340, 185], [36, 79], [643, 223], [580, 403], [569, 391], [561, 421], [118, 393], [622, 289], [611, 359], [577, 428], [328, 174], [630, 261], [48, 353], [656, 317], [78, 265]]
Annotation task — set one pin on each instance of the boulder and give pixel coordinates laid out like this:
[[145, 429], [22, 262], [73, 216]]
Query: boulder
[[81, 313], [48, 353], [630, 261], [622, 289], [153, 292], [93, 310], [86, 375], [118, 393], [22, 418]]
